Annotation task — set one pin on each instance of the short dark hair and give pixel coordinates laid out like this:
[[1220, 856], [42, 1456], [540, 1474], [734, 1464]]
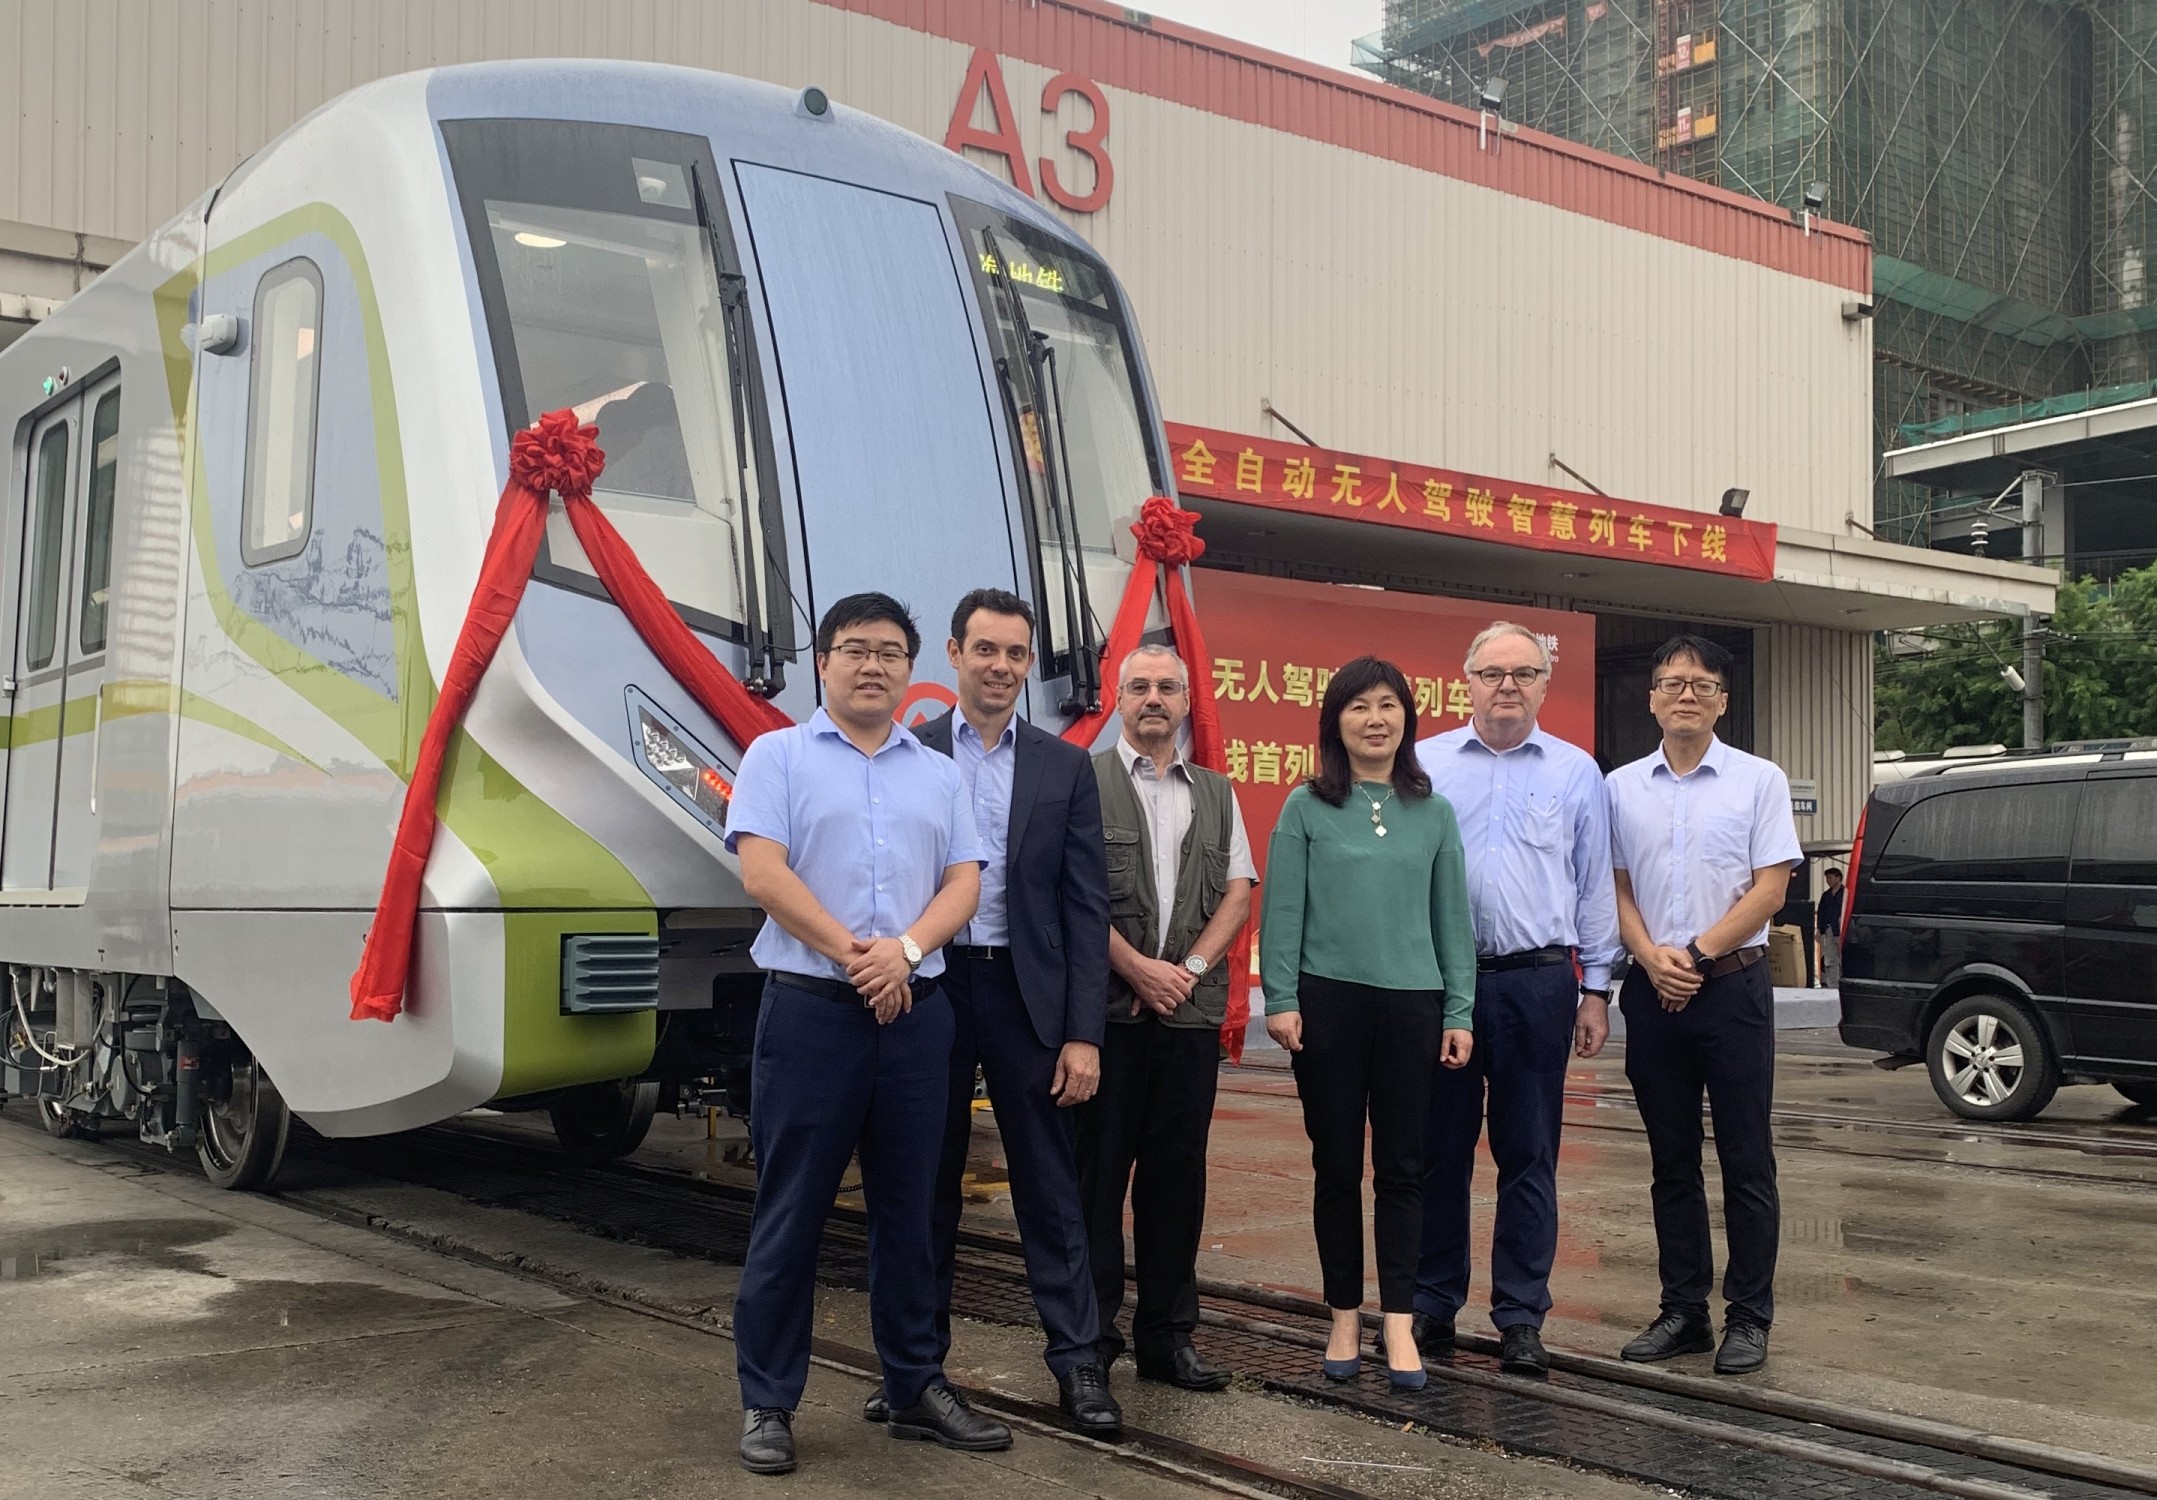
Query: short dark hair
[[1351, 682], [1710, 656], [1833, 870], [864, 609], [996, 602]]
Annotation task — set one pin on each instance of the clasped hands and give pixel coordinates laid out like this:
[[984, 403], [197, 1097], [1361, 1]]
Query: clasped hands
[[878, 971], [1672, 973], [1160, 986]]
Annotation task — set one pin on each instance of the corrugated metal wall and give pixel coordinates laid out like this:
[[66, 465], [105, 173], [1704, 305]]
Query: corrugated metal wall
[[1385, 308], [1813, 717]]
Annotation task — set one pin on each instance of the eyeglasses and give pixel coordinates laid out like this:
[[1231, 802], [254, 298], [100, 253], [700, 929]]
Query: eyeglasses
[[1492, 677], [1139, 687], [854, 654], [1707, 690]]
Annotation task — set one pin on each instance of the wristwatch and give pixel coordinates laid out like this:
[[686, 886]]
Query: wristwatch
[[1599, 994], [1197, 965], [1700, 960], [912, 950]]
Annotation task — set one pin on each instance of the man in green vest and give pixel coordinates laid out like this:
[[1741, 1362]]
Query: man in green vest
[[1179, 887]]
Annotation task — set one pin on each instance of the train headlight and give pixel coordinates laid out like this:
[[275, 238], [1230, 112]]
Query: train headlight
[[690, 774]]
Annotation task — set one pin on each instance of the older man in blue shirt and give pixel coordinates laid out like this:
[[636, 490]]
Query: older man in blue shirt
[[1703, 843], [1533, 825], [859, 844]]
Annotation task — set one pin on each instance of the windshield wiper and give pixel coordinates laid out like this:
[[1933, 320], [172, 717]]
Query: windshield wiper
[[764, 673], [1048, 413]]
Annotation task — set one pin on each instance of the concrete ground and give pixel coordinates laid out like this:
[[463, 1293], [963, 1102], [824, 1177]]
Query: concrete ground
[[164, 1339]]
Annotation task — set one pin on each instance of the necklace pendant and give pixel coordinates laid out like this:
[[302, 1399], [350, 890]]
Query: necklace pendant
[[1379, 829]]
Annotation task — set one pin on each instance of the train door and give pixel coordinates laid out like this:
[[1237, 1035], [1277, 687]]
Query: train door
[[38, 709], [84, 612]]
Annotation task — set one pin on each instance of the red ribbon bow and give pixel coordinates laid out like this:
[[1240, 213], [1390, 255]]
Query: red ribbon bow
[[1167, 533]]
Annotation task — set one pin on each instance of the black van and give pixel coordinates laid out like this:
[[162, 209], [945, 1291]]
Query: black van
[[2002, 927]]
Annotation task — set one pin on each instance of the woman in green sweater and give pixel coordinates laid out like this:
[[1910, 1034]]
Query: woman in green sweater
[[1369, 968]]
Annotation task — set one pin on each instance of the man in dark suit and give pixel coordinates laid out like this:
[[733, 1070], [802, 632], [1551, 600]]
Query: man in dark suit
[[1028, 984]]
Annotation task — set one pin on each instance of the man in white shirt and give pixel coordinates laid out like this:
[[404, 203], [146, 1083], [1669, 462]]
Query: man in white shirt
[[1702, 844]]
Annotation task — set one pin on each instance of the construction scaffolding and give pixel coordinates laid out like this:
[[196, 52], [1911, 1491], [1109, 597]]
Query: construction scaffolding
[[1999, 152]]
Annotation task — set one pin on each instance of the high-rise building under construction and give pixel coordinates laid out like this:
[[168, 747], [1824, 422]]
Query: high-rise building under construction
[[1999, 153]]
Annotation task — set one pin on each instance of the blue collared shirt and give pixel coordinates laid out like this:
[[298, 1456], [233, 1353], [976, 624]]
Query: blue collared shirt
[[869, 835], [1691, 843], [987, 771], [1536, 831]]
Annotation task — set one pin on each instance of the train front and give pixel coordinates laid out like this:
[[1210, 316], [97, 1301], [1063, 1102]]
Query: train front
[[823, 355]]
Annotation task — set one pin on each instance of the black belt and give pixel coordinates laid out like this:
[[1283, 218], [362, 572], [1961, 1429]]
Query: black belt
[[1730, 963], [1534, 958], [979, 953], [840, 989]]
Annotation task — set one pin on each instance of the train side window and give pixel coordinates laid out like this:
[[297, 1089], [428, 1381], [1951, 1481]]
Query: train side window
[[2016, 832], [47, 568], [97, 520], [285, 378], [2116, 837]]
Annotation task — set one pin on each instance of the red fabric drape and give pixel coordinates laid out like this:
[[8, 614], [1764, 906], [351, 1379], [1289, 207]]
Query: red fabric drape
[[555, 454], [1167, 543]]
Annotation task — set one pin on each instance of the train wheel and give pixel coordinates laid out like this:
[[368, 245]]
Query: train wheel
[[601, 1121], [243, 1134], [59, 1120]]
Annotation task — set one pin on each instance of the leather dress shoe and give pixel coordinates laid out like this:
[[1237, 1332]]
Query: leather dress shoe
[[1669, 1335], [1184, 1369], [942, 1416], [1433, 1334], [1745, 1349], [767, 1440], [1082, 1392], [1521, 1351], [877, 1408]]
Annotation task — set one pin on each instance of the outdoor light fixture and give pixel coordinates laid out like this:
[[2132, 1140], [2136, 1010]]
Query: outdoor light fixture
[[1734, 502], [1815, 197], [1492, 100]]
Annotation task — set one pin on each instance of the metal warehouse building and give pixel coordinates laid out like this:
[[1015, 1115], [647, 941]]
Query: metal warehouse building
[[1398, 343]]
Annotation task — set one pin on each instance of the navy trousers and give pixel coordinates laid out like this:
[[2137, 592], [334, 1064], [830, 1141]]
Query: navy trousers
[[1523, 1035], [991, 1029], [1723, 1042], [827, 1082]]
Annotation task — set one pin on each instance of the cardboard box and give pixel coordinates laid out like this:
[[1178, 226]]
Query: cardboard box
[[1786, 958]]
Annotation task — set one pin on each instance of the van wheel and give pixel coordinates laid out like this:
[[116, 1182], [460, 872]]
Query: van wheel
[[1989, 1060], [601, 1121], [2139, 1093], [243, 1129]]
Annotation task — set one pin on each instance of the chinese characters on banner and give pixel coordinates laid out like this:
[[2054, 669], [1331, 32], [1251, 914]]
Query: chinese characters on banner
[[1214, 465], [1277, 641]]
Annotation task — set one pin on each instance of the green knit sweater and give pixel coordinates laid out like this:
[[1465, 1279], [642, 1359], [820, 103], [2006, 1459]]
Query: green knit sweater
[[1343, 903]]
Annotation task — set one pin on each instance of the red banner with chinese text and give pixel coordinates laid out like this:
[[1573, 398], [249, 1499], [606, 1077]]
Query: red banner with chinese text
[[1276, 642], [1215, 465]]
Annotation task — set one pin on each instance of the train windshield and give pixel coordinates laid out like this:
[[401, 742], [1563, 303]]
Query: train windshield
[[598, 260], [1082, 382]]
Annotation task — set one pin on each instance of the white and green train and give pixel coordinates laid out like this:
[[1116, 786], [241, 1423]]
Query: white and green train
[[252, 472]]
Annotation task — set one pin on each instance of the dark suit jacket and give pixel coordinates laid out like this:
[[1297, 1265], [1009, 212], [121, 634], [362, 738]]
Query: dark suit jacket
[[1056, 883]]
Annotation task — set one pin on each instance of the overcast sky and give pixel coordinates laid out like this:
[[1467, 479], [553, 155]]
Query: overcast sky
[[1316, 29]]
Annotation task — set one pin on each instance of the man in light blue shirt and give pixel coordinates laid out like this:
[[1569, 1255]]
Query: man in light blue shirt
[[1702, 842], [1534, 827], [858, 843]]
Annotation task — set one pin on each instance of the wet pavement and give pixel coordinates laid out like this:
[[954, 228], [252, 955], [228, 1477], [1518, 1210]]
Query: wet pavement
[[164, 1339]]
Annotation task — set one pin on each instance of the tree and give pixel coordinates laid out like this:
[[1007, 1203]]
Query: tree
[[2100, 677]]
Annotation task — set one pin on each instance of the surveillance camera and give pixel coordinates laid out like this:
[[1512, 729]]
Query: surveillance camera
[[2012, 678]]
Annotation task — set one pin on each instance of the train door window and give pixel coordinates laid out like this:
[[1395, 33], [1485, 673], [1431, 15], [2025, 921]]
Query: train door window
[[277, 508], [48, 565], [597, 257], [1106, 465], [97, 520]]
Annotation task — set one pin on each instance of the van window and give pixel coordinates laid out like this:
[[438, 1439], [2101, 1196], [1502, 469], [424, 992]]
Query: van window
[[2116, 836], [2005, 833], [277, 507]]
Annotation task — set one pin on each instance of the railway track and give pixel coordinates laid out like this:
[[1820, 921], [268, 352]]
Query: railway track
[[1709, 1438]]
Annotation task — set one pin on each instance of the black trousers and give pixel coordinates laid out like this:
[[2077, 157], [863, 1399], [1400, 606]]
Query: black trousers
[[992, 1030], [1367, 1054], [1145, 1132], [1723, 1042]]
